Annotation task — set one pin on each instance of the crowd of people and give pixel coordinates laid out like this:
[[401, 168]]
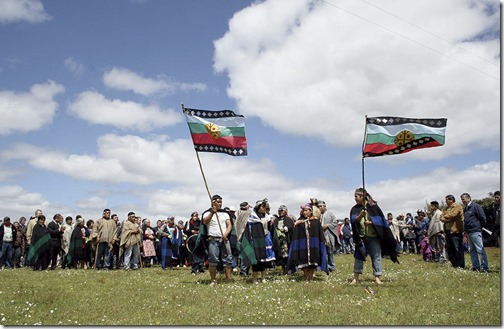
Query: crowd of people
[[251, 240]]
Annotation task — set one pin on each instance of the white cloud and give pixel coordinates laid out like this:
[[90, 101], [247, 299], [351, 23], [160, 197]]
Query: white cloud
[[94, 202], [328, 68], [32, 11], [95, 108], [161, 184], [74, 66], [17, 202], [124, 79], [28, 111]]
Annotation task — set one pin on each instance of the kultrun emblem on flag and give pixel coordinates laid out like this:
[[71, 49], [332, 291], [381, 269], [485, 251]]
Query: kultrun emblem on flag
[[404, 137], [395, 135], [213, 130], [217, 131]]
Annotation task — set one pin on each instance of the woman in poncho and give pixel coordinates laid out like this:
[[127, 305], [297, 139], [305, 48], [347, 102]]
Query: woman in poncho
[[308, 250], [256, 241], [77, 247], [39, 246]]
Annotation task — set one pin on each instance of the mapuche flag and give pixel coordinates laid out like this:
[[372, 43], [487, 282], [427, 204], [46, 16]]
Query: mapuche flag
[[217, 131], [395, 135]]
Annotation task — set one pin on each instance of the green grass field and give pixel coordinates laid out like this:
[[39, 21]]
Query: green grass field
[[414, 293]]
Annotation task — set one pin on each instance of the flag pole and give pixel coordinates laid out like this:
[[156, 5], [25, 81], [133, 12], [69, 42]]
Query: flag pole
[[363, 145], [206, 185]]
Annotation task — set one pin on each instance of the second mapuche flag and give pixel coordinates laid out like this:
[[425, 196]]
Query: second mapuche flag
[[395, 135], [217, 131]]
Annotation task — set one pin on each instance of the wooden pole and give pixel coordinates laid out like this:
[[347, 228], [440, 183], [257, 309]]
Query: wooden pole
[[206, 186], [363, 145]]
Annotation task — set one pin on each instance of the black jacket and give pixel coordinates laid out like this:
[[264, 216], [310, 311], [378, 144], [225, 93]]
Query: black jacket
[[55, 233]]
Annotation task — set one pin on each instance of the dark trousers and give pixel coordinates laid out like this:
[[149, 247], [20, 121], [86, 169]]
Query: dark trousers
[[103, 250], [42, 262], [455, 249], [53, 255]]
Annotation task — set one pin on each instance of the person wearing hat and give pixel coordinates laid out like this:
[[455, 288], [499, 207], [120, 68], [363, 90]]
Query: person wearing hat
[[218, 229]]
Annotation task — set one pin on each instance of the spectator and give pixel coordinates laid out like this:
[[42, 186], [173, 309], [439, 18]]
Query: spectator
[[496, 212], [330, 229], [149, 251], [7, 238], [347, 236], [18, 246], [435, 233], [474, 220], [453, 219]]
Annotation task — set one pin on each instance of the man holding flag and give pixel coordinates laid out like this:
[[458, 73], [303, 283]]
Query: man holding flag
[[219, 228]]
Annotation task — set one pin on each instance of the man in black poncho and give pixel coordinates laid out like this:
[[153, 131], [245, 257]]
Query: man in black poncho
[[371, 234]]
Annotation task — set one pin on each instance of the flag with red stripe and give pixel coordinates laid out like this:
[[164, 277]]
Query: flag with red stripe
[[395, 135], [217, 131]]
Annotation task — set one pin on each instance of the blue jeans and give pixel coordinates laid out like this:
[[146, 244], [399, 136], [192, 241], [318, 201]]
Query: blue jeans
[[477, 250], [330, 258], [373, 249], [6, 254], [131, 257], [216, 250], [197, 264]]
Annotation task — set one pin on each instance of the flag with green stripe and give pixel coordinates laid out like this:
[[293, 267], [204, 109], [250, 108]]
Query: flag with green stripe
[[217, 131], [396, 135]]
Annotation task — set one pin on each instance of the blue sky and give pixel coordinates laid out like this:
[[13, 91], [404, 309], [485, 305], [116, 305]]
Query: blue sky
[[90, 95]]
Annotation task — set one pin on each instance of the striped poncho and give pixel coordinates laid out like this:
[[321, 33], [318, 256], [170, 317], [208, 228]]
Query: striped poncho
[[387, 241]]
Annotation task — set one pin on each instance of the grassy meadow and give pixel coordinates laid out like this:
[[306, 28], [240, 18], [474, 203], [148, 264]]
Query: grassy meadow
[[414, 293]]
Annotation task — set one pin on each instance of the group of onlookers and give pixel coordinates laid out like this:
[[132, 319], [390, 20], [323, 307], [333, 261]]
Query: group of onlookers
[[253, 239]]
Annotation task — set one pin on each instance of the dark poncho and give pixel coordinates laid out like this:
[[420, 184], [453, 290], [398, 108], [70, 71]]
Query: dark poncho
[[77, 246], [39, 243], [300, 254], [387, 242]]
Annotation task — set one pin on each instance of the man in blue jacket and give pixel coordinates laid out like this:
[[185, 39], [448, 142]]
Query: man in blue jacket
[[474, 220]]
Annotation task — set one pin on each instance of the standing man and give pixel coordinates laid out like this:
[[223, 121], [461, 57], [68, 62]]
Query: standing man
[[219, 228], [105, 232], [347, 236], [435, 232], [65, 241], [115, 247], [56, 231], [453, 219], [496, 212], [29, 232], [371, 234], [7, 237], [474, 220], [130, 240], [330, 229]]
